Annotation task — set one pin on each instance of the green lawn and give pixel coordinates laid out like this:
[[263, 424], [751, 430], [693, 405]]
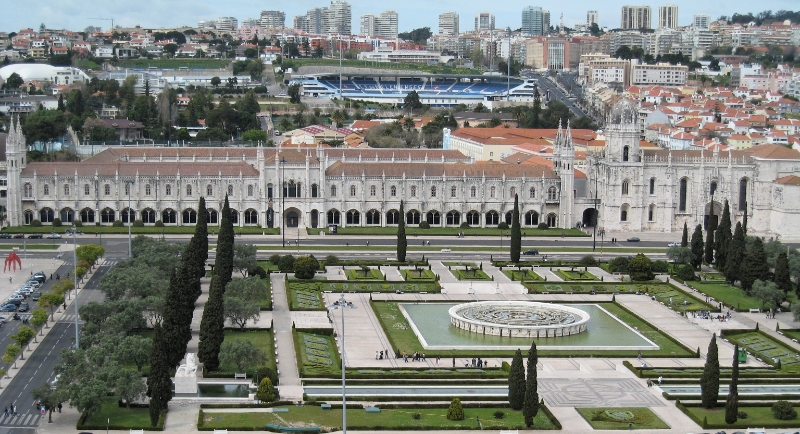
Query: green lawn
[[434, 69], [305, 296], [360, 274], [411, 232], [573, 274], [174, 63], [791, 334], [264, 340], [390, 250], [622, 418], [91, 230], [390, 418], [472, 274], [418, 274], [672, 297], [119, 418], [756, 416], [31, 246], [317, 354], [767, 349], [730, 295], [521, 275]]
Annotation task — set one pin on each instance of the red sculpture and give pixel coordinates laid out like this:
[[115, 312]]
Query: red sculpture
[[12, 261]]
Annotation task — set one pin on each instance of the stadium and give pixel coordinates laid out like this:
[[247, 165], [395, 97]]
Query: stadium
[[433, 90]]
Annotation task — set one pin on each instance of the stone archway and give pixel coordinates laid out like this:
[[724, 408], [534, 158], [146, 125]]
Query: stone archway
[[590, 216], [292, 218], [707, 218]]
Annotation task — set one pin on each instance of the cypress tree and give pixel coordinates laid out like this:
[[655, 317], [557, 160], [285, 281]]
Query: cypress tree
[[530, 407], [708, 252], [159, 384], [174, 319], [685, 237], [516, 382], [736, 252], [211, 326], [782, 279], [709, 382], [732, 403], [516, 232], [723, 237], [402, 243], [744, 219], [697, 246], [754, 266]]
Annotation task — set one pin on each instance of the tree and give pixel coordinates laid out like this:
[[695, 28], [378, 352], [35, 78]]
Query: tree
[[412, 101], [244, 258], [680, 255], [241, 353], [22, 338], [45, 126], [708, 252], [266, 391], [685, 236], [215, 81], [402, 243], [516, 382], [255, 136], [38, 318], [456, 410], [754, 267], [133, 349], [10, 356], [48, 397], [516, 232], [709, 382], [783, 410], [767, 293], [242, 300], [530, 406], [697, 246], [294, 93], [732, 403], [129, 386], [159, 384], [338, 116], [736, 254], [723, 237], [782, 279], [640, 269], [305, 267], [14, 81]]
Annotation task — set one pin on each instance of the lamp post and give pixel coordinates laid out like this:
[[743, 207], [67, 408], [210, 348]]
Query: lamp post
[[75, 279], [343, 304], [595, 212], [283, 207], [128, 185]]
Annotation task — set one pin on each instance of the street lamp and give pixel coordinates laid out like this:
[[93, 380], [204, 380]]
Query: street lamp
[[596, 212], [343, 304], [283, 207], [128, 189], [75, 279]]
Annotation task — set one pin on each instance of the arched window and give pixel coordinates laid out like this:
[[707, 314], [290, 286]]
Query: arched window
[[107, 215], [492, 192], [66, 189], [392, 217], [393, 191], [314, 190], [552, 220], [652, 186], [168, 190], [250, 217], [249, 191], [531, 218], [333, 217], [743, 194], [433, 191], [230, 190], [473, 218], [492, 218], [433, 218], [552, 193], [67, 215], [625, 187], [651, 213], [623, 213], [352, 191], [453, 191], [209, 190], [28, 190], [413, 217], [189, 217], [372, 190], [29, 217], [682, 195], [46, 215], [625, 152], [212, 217], [713, 188], [353, 217], [234, 217], [413, 191], [333, 191], [373, 217], [453, 218], [127, 189], [107, 189], [169, 216], [532, 193], [189, 189], [509, 217], [513, 192], [87, 215], [127, 216], [86, 190], [147, 190]]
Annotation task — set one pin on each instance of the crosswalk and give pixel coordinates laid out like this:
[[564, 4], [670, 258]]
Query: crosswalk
[[68, 318], [27, 419]]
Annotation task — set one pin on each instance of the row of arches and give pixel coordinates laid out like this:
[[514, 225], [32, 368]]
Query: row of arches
[[127, 215], [435, 218], [552, 192], [189, 190]]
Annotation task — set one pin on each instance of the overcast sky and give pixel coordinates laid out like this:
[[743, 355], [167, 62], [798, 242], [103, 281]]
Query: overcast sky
[[77, 15]]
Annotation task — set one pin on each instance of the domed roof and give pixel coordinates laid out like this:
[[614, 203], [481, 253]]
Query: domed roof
[[36, 71], [623, 112]]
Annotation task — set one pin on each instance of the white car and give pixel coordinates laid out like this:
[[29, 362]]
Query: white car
[[674, 244]]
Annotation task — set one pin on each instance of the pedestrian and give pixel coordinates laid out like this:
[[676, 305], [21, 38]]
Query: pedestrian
[[376, 355], [5, 412], [9, 280], [58, 277], [13, 409], [659, 380], [454, 362], [59, 407]]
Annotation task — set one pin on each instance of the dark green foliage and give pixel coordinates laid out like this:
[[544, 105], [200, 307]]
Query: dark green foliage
[[177, 318], [499, 414], [502, 226], [305, 267], [618, 264], [402, 243], [736, 253], [659, 266], [331, 260], [211, 326], [640, 269], [732, 403], [754, 266], [424, 225], [516, 382], [723, 237], [709, 382], [588, 261], [685, 236], [686, 272], [456, 410], [530, 406], [697, 246], [159, 384], [516, 232], [286, 263], [782, 279], [708, 252], [784, 410]]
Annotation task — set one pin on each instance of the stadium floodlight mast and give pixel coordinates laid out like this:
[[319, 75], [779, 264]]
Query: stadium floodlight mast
[[343, 304]]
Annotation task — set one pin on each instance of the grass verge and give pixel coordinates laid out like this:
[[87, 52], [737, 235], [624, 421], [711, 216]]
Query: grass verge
[[760, 416], [622, 418], [118, 418]]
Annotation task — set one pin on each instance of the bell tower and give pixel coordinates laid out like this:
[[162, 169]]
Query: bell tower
[[15, 162], [564, 165], [622, 133]]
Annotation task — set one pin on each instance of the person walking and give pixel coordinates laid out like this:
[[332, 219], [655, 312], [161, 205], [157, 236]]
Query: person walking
[[59, 407], [5, 412]]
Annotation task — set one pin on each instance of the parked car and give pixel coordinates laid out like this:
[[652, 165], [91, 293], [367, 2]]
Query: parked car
[[8, 308], [71, 231], [16, 297], [5, 236], [36, 295], [674, 244], [531, 252], [633, 240], [19, 236], [35, 236], [24, 307], [53, 236]]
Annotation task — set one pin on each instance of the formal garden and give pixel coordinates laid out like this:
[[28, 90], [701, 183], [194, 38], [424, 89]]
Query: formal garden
[[317, 354], [522, 275], [766, 349], [622, 418]]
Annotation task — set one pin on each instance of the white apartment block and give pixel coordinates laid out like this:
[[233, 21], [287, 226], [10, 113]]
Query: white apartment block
[[701, 22], [668, 17], [662, 74], [383, 25], [484, 21], [448, 24], [226, 24], [340, 19], [636, 17], [591, 18], [613, 72], [272, 19]]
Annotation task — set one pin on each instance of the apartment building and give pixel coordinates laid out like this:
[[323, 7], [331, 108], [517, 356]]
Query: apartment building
[[662, 74], [547, 53], [383, 25], [448, 24], [636, 17], [484, 21], [668, 17], [591, 18], [535, 21], [272, 20], [701, 22]]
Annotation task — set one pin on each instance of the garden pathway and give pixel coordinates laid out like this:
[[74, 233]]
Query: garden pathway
[[364, 336], [392, 273], [290, 387]]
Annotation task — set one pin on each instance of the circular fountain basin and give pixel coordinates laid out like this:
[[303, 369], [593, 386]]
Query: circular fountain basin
[[524, 319]]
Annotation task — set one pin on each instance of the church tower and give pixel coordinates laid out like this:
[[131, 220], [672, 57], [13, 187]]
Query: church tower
[[15, 162], [564, 165], [622, 133]]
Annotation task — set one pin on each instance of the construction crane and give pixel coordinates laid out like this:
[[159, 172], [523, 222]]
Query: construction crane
[[105, 19]]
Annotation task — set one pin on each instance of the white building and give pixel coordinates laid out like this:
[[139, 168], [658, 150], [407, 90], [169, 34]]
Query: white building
[[449, 24], [591, 18], [662, 74], [701, 22], [383, 25], [272, 20], [636, 17], [668, 17], [484, 21]]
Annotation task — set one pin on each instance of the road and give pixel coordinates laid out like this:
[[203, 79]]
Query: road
[[555, 93]]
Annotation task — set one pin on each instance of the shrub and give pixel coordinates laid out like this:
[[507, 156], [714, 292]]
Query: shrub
[[257, 271], [464, 225], [37, 223], [275, 259], [266, 392], [618, 264], [782, 410], [742, 414], [117, 224], [424, 225], [416, 416], [57, 222], [305, 267], [138, 224], [659, 266], [543, 226], [77, 223], [286, 263], [456, 411], [502, 226], [499, 414], [331, 260], [267, 372], [686, 272], [588, 261], [639, 268], [159, 224]]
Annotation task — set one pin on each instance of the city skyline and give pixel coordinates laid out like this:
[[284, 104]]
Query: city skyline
[[414, 14]]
